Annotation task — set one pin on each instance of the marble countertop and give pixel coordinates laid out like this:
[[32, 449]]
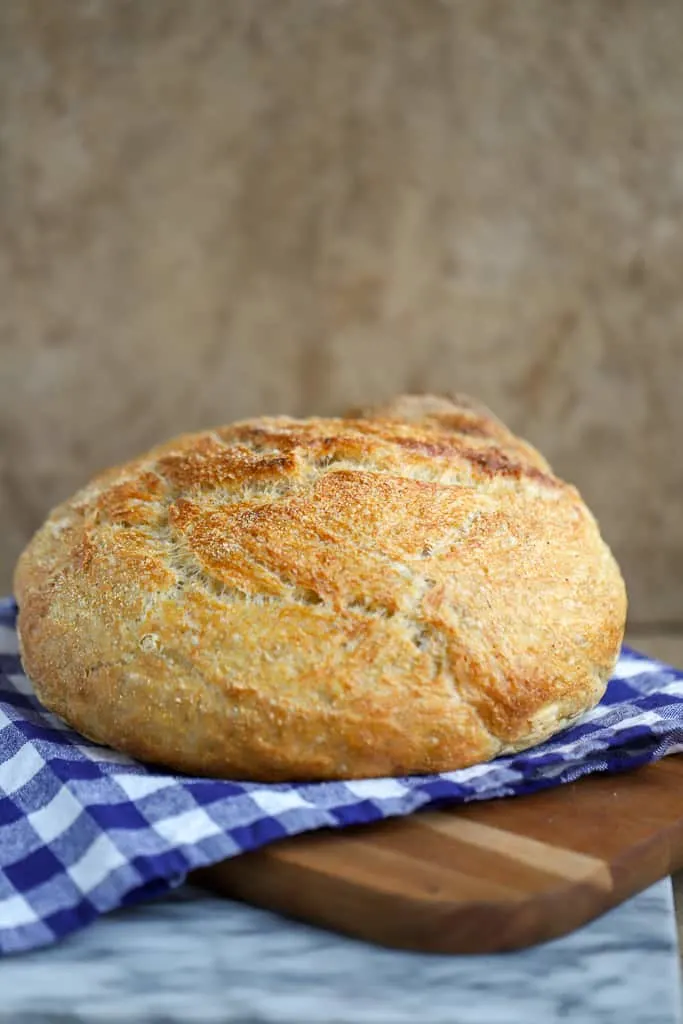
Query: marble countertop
[[192, 957]]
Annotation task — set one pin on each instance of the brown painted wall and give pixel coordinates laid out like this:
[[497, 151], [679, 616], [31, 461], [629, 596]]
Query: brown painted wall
[[227, 207]]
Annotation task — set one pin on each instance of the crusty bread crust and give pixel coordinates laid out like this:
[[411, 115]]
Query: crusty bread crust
[[410, 590]]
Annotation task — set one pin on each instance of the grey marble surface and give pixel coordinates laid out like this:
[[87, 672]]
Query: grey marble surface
[[194, 958]]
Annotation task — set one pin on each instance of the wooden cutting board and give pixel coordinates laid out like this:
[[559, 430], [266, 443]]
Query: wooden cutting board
[[479, 878]]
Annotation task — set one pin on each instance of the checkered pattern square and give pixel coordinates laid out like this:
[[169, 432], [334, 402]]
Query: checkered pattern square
[[84, 830]]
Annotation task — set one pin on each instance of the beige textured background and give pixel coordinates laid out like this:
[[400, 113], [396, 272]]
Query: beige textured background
[[218, 208]]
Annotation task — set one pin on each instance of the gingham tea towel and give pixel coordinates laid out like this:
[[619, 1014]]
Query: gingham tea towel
[[84, 830]]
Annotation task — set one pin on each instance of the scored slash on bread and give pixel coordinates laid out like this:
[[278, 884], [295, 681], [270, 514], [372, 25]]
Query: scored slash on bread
[[408, 589]]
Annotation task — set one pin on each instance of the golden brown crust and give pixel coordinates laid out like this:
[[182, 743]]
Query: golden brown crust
[[406, 591]]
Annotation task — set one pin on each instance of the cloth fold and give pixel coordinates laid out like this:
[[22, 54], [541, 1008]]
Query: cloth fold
[[84, 830]]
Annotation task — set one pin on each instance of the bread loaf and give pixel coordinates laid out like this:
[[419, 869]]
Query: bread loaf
[[406, 590]]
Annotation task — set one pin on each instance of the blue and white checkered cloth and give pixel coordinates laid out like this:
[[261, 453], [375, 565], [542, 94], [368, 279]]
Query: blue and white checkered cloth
[[84, 830]]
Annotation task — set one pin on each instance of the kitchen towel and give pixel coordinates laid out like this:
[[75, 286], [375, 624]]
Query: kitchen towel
[[84, 830]]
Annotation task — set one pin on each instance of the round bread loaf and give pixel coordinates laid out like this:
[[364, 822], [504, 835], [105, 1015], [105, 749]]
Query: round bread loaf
[[406, 590]]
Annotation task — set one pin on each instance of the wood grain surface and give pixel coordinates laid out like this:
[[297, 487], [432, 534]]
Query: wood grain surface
[[500, 875]]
